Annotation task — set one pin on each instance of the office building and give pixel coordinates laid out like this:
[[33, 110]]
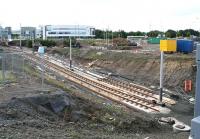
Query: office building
[[5, 33], [28, 33], [62, 31]]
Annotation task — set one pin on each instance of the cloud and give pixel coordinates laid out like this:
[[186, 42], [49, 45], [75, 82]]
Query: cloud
[[116, 14]]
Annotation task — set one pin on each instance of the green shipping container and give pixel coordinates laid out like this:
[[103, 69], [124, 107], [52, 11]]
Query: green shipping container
[[155, 40]]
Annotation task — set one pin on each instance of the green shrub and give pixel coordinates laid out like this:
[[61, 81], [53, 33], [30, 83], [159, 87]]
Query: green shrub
[[66, 42], [48, 43], [25, 43], [29, 44]]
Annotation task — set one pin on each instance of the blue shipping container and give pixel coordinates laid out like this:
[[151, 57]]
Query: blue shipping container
[[185, 46]]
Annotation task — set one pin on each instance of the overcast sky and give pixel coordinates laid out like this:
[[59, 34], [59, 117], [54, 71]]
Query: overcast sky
[[128, 15]]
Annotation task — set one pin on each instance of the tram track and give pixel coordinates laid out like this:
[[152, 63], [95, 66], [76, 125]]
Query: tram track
[[130, 95]]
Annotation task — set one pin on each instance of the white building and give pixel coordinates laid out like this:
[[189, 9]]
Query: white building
[[28, 33], [5, 33], [61, 31], [38, 33]]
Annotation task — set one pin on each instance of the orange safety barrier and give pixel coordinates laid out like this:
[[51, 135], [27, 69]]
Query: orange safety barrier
[[188, 85]]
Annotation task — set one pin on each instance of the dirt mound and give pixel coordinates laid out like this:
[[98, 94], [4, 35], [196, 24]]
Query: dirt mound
[[145, 69], [54, 113]]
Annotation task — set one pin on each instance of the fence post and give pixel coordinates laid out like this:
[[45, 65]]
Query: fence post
[[3, 67]]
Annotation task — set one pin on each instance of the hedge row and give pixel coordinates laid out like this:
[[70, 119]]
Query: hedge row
[[48, 43], [26, 43]]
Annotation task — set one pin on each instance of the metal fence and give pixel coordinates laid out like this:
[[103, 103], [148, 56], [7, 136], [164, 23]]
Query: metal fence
[[11, 66]]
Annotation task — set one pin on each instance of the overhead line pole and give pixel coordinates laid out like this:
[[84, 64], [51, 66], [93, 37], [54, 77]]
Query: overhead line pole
[[161, 75], [70, 49], [20, 36], [112, 38]]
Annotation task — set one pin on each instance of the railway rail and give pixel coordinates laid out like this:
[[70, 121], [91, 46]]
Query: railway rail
[[130, 95], [137, 89]]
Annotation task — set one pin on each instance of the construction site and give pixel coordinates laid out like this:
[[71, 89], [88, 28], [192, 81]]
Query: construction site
[[99, 69], [95, 92]]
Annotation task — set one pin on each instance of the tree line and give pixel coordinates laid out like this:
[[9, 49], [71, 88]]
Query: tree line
[[49, 43], [102, 34]]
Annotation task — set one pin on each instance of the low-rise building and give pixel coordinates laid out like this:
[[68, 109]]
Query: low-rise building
[[47, 31], [38, 33], [5, 33], [62, 31], [15, 35], [28, 33]]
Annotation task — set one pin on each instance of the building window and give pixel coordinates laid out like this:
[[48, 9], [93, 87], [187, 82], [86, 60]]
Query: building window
[[51, 32]]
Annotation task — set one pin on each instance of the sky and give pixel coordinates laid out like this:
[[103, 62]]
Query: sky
[[128, 15]]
